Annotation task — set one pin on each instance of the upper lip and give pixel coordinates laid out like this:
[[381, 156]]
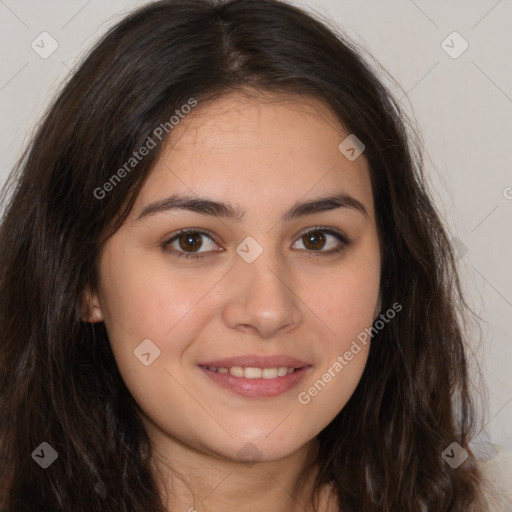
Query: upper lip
[[256, 361]]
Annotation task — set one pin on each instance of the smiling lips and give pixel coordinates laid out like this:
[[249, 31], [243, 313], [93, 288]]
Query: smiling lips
[[256, 376]]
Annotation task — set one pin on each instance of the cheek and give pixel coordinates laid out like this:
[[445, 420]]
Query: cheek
[[143, 294], [151, 319], [138, 304], [348, 311], [347, 305], [349, 300]]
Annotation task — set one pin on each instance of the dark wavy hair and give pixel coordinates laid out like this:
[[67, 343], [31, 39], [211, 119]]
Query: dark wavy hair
[[59, 381]]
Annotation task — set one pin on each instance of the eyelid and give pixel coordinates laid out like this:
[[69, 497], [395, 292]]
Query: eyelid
[[326, 229], [184, 231]]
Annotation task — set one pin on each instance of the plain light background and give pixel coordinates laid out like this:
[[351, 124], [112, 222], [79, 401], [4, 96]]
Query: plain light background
[[462, 106]]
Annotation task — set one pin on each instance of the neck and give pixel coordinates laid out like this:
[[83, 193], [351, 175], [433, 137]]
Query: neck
[[194, 480]]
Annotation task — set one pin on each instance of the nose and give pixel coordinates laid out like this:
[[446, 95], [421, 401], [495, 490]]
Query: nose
[[263, 300]]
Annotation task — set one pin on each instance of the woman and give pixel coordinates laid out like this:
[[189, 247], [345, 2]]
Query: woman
[[225, 286]]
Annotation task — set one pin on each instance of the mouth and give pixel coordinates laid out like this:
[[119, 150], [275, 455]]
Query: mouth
[[251, 372], [254, 381]]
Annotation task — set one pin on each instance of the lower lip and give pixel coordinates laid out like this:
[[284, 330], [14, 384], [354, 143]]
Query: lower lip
[[257, 388]]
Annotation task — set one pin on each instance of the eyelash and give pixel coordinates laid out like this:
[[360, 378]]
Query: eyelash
[[340, 236]]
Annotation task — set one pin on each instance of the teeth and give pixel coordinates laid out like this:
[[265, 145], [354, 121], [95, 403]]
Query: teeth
[[254, 373], [251, 373], [237, 371], [270, 373]]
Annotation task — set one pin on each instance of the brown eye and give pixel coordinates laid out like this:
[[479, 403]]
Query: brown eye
[[187, 243], [190, 241], [319, 241], [314, 240]]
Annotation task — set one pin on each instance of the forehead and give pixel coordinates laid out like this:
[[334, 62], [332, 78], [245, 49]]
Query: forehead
[[263, 147], [252, 119]]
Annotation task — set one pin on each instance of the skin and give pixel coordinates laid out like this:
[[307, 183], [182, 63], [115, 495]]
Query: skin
[[265, 154]]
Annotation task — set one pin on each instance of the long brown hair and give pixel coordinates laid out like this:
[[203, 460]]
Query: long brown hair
[[59, 382]]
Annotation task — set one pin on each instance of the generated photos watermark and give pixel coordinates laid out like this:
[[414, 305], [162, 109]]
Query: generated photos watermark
[[158, 133], [304, 397]]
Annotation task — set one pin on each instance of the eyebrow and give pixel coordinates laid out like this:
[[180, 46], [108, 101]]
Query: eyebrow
[[235, 212]]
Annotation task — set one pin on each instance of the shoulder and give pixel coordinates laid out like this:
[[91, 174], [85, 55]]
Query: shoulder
[[496, 468]]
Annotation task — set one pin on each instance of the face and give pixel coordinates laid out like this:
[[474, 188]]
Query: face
[[262, 282]]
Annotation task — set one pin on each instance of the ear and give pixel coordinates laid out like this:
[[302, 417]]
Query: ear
[[91, 307]]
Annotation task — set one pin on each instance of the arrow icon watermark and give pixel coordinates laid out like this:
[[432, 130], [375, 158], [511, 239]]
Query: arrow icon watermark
[[146, 352]]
